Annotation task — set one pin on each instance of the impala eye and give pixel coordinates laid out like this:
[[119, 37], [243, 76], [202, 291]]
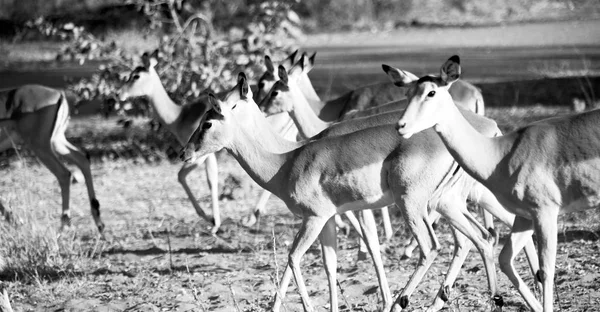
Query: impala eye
[[274, 93], [431, 94], [261, 85], [135, 77], [206, 125]]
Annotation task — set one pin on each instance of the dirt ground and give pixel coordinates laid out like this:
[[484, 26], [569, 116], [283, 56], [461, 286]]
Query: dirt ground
[[159, 256]]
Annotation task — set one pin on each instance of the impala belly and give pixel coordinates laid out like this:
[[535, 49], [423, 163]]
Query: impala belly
[[370, 202]]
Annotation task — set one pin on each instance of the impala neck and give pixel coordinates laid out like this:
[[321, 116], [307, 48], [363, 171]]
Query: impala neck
[[263, 166], [477, 154], [167, 111], [272, 140], [307, 121], [310, 94]]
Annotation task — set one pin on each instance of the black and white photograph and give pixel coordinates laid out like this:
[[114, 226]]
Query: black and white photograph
[[299, 155]]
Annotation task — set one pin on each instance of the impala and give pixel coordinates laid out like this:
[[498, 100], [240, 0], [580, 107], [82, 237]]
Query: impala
[[38, 116], [465, 94], [287, 97], [365, 169], [537, 172]]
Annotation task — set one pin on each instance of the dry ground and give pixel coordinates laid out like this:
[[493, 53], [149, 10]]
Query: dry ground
[[159, 256]]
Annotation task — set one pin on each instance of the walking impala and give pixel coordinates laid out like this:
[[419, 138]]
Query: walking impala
[[182, 121], [464, 94], [544, 169], [287, 97], [38, 116], [369, 168]]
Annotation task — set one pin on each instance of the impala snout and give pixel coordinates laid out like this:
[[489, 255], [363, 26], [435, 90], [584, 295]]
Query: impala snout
[[402, 128], [187, 154]]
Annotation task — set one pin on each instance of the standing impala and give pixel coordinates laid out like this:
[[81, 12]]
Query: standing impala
[[537, 172], [365, 169], [38, 117], [465, 94]]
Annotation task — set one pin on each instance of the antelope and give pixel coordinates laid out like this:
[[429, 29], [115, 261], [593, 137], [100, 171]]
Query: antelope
[[465, 94], [287, 97], [537, 172], [365, 169], [37, 117], [181, 120]]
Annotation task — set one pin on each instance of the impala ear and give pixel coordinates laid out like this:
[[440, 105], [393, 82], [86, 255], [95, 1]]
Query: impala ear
[[269, 64], [298, 68], [283, 75], [213, 103], [290, 60], [243, 85], [153, 59], [146, 60], [399, 77], [308, 62], [450, 71], [311, 59]]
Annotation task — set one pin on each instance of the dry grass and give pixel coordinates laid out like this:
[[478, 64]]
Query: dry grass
[[158, 255]]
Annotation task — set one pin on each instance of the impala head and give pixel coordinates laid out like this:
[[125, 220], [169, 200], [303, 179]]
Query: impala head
[[142, 80], [285, 91], [222, 121], [428, 96], [268, 79]]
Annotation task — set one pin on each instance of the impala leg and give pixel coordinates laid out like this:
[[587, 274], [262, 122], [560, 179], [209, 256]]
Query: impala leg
[[212, 177], [309, 231], [328, 240], [488, 201], [62, 174], [521, 232], [545, 225], [420, 227], [387, 224], [462, 246], [183, 173], [80, 159], [362, 246], [454, 209], [368, 227], [434, 216], [260, 206]]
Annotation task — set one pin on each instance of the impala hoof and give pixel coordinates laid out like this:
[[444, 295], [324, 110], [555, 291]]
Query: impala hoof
[[494, 234], [498, 301], [404, 302], [65, 222], [445, 293], [540, 275]]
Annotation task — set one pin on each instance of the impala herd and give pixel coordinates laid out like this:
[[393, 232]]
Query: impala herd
[[419, 143]]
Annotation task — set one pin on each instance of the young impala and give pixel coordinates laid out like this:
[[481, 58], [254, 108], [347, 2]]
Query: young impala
[[38, 116], [537, 172], [365, 169]]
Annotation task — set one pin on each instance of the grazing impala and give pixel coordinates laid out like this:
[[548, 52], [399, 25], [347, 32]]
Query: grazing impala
[[537, 172], [38, 116], [365, 169]]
